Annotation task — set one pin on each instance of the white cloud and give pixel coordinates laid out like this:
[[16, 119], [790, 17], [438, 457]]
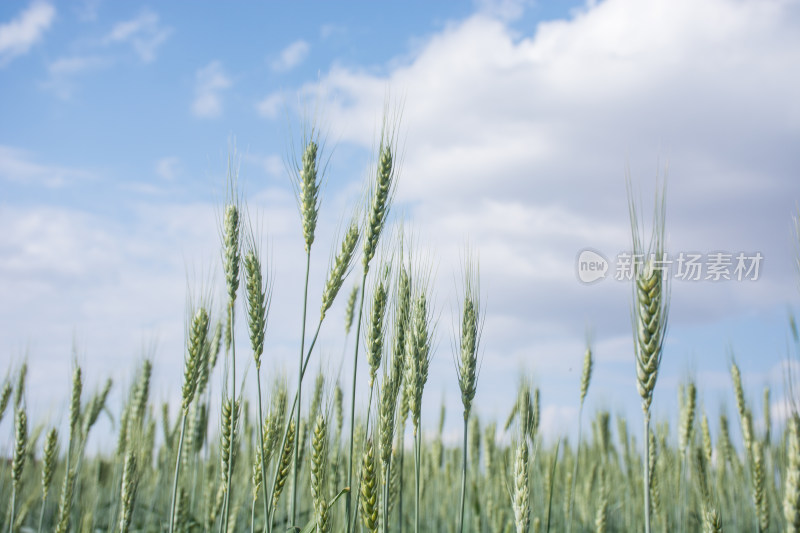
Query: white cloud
[[291, 56], [781, 410], [63, 71], [271, 105], [271, 164], [330, 30], [519, 142], [210, 82], [168, 168], [19, 166], [21, 33], [75, 65], [114, 285], [145, 34], [545, 123]]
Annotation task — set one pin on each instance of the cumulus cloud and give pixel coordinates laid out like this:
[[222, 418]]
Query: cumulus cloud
[[270, 105], [144, 33], [271, 164], [525, 139], [75, 65], [115, 285], [20, 166], [210, 82], [291, 56], [520, 141], [21, 33]]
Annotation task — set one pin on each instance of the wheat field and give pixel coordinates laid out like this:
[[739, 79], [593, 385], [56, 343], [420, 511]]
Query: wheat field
[[308, 458]]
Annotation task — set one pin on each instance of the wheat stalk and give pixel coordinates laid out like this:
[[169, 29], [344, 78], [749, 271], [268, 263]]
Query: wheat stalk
[[469, 336], [307, 177], [128, 494], [319, 473], [380, 200], [196, 338], [5, 397], [231, 262], [791, 491], [521, 495], [369, 488], [387, 402], [49, 457], [759, 487], [257, 301], [650, 311], [586, 378], [18, 461]]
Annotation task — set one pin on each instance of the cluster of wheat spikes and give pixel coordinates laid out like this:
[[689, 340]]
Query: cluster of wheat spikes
[[284, 465]]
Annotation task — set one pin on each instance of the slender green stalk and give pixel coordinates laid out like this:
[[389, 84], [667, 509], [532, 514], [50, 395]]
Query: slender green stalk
[[348, 509], [262, 453], [650, 311], [463, 480], [197, 332], [290, 417], [381, 191], [257, 301], [177, 474], [647, 473], [296, 464], [552, 482], [226, 505], [253, 517], [18, 462], [417, 475], [467, 361], [387, 473], [231, 261], [374, 345], [337, 272], [65, 502], [585, 381], [48, 469]]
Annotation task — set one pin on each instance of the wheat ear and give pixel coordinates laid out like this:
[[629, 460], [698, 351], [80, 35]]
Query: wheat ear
[[650, 311], [5, 397], [319, 474], [369, 488], [18, 462], [521, 496], [380, 200], [48, 468], [469, 336], [791, 491], [197, 334], [128, 492]]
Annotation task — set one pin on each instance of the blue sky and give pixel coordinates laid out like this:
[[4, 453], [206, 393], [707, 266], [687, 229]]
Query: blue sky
[[519, 121]]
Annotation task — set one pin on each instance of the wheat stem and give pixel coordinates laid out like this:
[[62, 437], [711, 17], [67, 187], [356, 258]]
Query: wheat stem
[[296, 466], [348, 508]]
